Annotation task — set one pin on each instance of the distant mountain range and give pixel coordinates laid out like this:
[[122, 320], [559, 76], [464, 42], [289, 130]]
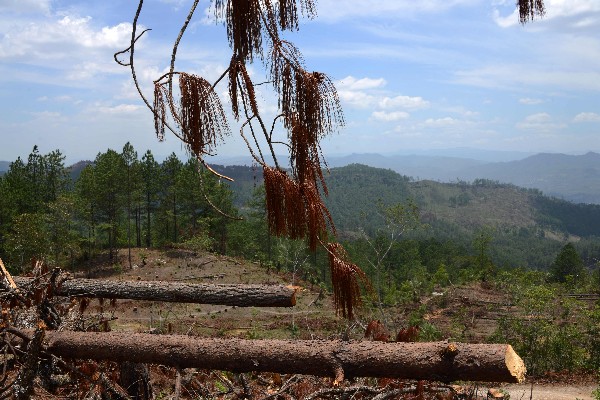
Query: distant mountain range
[[573, 178]]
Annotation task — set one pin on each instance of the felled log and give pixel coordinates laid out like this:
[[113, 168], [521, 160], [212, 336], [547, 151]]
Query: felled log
[[441, 361], [230, 295]]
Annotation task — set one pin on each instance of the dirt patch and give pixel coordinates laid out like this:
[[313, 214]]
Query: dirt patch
[[549, 392], [312, 317]]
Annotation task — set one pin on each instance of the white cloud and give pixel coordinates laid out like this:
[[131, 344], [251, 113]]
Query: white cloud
[[60, 38], [441, 122], [389, 116], [61, 98], [461, 111], [403, 102], [540, 122], [587, 117], [529, 101], [356, 99], [351, 83], [565, 8], [118, 109], [367, 92], [358, 92], [88, 70]]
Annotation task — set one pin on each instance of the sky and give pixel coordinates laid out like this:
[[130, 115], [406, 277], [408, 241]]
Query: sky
[[411, 74]]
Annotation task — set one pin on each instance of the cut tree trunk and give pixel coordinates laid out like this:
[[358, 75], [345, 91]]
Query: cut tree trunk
[[230, 295], [440, 361]]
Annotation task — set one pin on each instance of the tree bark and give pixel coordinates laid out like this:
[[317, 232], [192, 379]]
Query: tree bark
[[440, 361], [231, 295]]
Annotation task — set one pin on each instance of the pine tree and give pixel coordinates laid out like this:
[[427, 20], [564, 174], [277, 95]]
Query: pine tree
[[130, 160], [567, 264], [150, 170]]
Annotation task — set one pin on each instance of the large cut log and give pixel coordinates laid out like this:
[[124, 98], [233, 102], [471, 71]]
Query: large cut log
[[230, 295], [440, 361]]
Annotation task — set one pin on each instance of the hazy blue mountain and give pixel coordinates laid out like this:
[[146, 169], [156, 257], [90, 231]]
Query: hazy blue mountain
[[4, 165], [574, 178], [416, 166], [471, 153]]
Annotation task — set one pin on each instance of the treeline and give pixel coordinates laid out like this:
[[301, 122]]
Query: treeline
[[121, 201], [118, 200]]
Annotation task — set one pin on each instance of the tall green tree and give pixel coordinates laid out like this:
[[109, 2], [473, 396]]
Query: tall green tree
[[85, 195], [192, 204], [56, 176], [567, 264], [109, 193], [169, 198], [250, 238], [399, 218], [27, 239], [28, 188], [150, 175], [205, 205], [13, 186], [36, 179], [132, 187], [481, 244], [61, 230]]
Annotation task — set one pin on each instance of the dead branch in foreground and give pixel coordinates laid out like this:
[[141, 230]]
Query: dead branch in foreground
[[440, 361], [230, 295]]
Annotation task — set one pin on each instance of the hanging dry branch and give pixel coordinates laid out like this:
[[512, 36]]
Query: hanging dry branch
[[237, 69], [346, 278], [160, 113], [288, 12], [529, 9], [202, 119], [295, 209], [244, 25]]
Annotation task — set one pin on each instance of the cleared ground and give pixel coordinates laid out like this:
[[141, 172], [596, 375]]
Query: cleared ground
[[461, 313]]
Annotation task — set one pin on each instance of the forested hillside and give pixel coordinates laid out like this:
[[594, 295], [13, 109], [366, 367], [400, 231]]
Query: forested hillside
[[67, 215], [124, 200], [575, 178], [527, 227]]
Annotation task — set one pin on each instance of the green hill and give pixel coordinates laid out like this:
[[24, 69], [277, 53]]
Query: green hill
[[356, 190], [527, 227]]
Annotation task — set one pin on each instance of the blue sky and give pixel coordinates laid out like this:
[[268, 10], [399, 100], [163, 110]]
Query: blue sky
[[411, 74]]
